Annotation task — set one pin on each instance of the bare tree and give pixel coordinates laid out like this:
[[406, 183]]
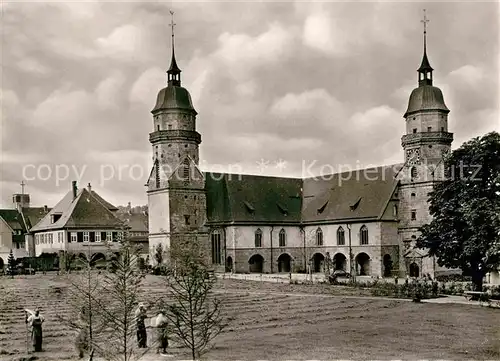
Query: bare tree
[[122, 288], [84, 298], [195, 315]]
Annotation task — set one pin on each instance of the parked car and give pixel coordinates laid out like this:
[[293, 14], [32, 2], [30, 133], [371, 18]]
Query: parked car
[[339, 273]]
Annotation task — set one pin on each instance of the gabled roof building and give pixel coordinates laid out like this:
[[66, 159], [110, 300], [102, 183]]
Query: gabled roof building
[[79, 223], [364, 221]]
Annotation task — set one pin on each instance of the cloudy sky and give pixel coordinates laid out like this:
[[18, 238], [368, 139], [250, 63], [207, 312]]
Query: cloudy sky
[[297, 84]]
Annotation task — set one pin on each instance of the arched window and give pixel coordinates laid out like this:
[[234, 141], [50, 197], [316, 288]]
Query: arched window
[[363, 235], [185, 169], [319, 237], [282, 238], [216, 247], [340, 236], [413, 173], [258, 238]]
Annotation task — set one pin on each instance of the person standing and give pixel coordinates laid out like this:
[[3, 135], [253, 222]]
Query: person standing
[[162, 332], [140, 316], [35, 321]]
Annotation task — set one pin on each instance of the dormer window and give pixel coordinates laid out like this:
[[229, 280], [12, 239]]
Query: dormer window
[[55, 217]]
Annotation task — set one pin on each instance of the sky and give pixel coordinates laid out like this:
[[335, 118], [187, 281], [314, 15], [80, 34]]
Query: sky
[[281, 88]]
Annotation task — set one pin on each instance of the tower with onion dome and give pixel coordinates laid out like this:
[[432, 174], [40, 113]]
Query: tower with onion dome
[[425, 144], [176, 187]]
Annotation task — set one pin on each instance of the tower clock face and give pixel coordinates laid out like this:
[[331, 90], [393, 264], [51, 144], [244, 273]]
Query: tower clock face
[[413, 156]]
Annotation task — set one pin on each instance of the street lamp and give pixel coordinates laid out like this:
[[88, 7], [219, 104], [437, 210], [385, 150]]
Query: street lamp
[[350, 253]]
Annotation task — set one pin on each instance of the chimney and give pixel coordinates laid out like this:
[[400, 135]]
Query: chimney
[[89, 187], [75, 189], [45, 209], [129, 207]]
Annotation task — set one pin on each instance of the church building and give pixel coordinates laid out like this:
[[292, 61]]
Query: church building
[[364, 222]]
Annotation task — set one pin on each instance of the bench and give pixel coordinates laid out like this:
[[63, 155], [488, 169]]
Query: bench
[[474, 295]]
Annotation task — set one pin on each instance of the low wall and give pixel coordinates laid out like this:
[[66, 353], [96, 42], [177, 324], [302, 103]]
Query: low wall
[[276, 278]]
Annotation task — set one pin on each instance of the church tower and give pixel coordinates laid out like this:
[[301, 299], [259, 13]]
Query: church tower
[[425, 144], [176, 187]]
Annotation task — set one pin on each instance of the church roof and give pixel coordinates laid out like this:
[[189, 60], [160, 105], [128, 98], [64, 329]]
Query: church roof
[[426, 97], [252, 198], [361, 194], [241, 198], [84, 211], [174, 97]]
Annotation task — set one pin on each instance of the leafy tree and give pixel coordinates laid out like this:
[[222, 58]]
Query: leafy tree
[[195, 316], [159, 254], [11, 264], [464, 231]]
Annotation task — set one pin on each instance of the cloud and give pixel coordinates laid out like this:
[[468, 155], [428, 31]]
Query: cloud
[[319, 33], [109, 91], [63, 109], [241, 53], [33, 66], [125, 40], [145, 89]]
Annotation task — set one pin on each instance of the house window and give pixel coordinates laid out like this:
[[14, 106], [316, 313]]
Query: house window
[[319, 237], [340, 236], [282, 238], [429, 129], [395, 211], [114, 236], [158, 128], [92, 236], [109, 236], [98, 236], [258, 238], [120, 236], [442, 129], [186, 220], [413, 194], [363, 235], [414, 130], [73, 237], [413, 215], [216, 248], [86, 236]]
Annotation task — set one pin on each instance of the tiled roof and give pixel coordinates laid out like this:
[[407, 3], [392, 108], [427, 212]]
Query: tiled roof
[[350, 195], [13, 219], [33, 215], [104, 202], [138, 222], [248, 198], [85, 210]]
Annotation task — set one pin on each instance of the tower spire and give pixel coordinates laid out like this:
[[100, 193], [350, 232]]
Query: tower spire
[[174, 73], [425, 70]]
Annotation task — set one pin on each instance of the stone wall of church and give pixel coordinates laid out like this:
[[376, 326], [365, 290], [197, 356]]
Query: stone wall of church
[[240, 243]]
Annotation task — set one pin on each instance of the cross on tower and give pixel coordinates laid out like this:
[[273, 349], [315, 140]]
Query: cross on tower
[[22, 187], [172, 24], [425, 21]]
